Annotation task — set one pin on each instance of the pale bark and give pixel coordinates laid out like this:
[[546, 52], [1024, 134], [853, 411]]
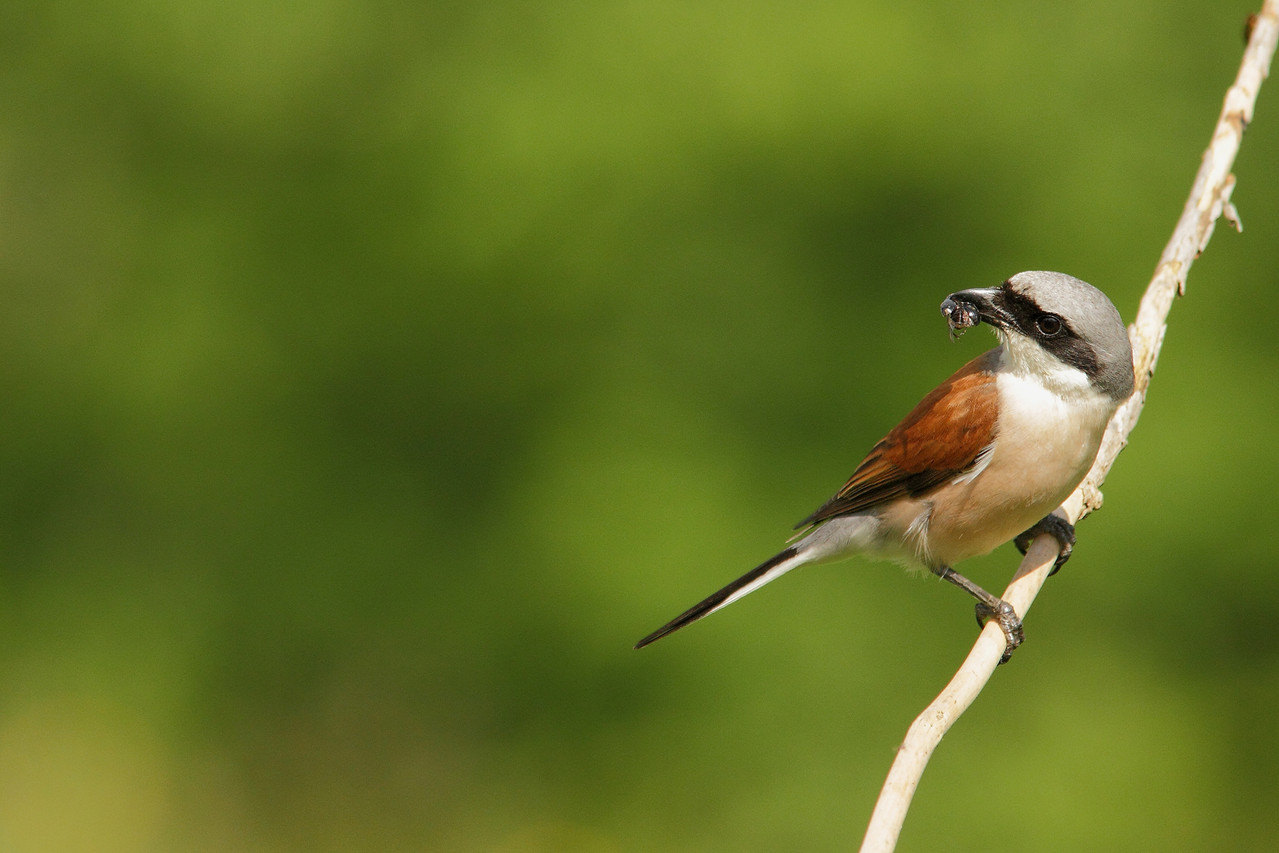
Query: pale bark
[[1209, 199]]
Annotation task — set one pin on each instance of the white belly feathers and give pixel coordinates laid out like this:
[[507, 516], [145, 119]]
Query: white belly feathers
[[1044, 445]]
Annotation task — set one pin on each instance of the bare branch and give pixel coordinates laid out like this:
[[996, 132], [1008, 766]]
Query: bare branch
[[1209, 199]]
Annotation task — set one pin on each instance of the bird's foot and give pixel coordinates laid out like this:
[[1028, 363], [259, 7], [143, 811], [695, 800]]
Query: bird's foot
[[989, 607], [1003, 613], [1056, 527]]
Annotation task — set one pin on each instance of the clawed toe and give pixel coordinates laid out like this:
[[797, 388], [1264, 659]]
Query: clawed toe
[[989, 607], [1056, 527], [1003, 613]]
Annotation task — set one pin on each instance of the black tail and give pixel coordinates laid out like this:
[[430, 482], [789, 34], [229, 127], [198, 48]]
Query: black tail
[[766, 571]]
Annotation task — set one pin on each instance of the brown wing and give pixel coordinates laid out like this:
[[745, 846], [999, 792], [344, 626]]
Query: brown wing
[[941, 438]]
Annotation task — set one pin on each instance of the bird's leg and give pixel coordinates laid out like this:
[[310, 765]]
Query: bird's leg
[[990, 607], [1056, 527]]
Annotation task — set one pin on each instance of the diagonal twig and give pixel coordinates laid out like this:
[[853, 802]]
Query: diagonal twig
[[1209, 199]]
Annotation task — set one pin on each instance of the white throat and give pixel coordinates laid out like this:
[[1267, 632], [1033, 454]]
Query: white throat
[[1025, 358]]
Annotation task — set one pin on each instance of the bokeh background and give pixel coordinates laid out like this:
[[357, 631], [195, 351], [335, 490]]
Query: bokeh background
[[375, 374]]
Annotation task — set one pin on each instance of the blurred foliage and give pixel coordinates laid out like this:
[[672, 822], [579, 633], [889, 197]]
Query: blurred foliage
[[375, 374]]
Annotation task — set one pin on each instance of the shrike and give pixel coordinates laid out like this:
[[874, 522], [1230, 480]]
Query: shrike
[[986, 456]]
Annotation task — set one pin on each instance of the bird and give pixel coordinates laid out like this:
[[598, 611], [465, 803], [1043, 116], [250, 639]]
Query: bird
[[985, 457]]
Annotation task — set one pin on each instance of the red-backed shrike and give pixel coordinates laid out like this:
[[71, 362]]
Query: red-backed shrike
[[986, 456]]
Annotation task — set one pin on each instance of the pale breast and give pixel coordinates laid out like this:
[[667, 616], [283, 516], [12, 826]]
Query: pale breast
[[1044, 446]]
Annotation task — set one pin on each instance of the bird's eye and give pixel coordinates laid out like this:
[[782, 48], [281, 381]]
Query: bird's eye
[[1048, 325]]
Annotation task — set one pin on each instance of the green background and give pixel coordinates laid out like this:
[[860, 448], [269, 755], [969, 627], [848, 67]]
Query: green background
[[374, 374]]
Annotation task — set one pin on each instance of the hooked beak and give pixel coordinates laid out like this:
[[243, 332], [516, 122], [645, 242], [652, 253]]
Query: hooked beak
[[966, 308]]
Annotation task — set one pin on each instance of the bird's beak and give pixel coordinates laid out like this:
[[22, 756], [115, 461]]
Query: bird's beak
[[965, 308]]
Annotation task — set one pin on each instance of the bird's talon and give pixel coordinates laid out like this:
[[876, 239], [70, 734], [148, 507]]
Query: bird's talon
[[1003, 613], [1056, 527]]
